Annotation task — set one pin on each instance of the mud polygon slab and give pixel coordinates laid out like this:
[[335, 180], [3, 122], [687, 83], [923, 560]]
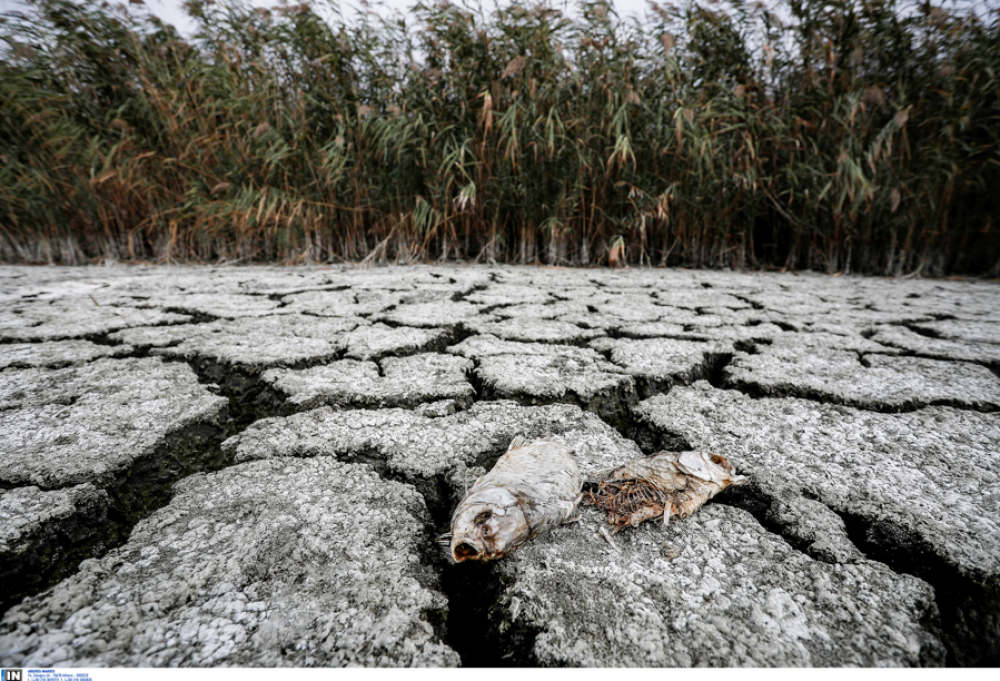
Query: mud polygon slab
[[24, 511], [145, 338], [692, 299], [587, 294], [614, 318], [602, 323], [965, 330], [260, 342], [961, 300], [922, 485], [486, 345], [542, 311], [652, 330], [89, 423], [659, 363], [434, 293], [736, 595], [379, 340], [419, 448], [341, 303], [508, 294], [42, 531], [55, 354], [534, 330], [938, 348], [218, 305], [404, 382], [595, 385], [633, 309], [273, 563], [435, 314], [870, 382], [758, 333], [75, 318], [539, 373]]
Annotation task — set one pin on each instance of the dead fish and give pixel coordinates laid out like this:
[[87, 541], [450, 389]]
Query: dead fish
[[663, 485], [532, 488]]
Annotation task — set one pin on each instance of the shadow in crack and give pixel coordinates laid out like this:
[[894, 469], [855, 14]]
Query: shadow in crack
[[969, 603]]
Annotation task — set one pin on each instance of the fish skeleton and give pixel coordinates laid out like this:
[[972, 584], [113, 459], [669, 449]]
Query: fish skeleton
[[532, 488], [664, 485]]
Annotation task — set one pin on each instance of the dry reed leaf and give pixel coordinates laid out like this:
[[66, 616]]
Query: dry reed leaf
[[487, 115], [261, 129], [740, 90], [94, 182], [688, 114], [873, 95], [938, 16], [631, 97], [616, 254], [514, 67], [667, 41], [894, 198], [901, 117], [768, 55], [221, 187]]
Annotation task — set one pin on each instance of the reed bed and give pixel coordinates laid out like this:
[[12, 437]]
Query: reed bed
[[836, 135]]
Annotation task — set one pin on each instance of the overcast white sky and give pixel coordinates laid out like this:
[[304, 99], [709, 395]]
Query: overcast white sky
[[172, 11]]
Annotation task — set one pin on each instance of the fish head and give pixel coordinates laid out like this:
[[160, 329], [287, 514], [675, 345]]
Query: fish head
[[487, 525], [709, 468]]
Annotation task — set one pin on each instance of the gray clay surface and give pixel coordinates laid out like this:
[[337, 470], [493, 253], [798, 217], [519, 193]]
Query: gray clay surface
[[247, 466], [838, 370], [393, 382], [735, 596], [232, 574], [55, 354], [89, 423]]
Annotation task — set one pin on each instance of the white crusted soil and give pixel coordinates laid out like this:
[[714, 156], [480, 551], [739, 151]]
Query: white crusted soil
[[932, 470], [89, 423], [393, 382], [273, 563], [734, 595], [872, 381]]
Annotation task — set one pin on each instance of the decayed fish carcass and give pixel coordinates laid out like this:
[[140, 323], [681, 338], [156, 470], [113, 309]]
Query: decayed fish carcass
[[532, 487], [668, 484]]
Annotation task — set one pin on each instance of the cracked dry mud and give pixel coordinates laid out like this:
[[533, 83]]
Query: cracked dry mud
[[247, 466]]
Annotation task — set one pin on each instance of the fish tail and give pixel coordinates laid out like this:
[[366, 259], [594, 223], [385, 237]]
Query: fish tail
[[444, 543]]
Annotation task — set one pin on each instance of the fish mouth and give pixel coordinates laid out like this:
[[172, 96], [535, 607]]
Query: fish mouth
[[466, 551]]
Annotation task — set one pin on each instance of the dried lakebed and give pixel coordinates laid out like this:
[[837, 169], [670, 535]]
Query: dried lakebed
[[247, 466]]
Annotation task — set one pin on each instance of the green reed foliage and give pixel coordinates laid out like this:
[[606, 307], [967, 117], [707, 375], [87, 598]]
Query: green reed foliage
[[854, 136]]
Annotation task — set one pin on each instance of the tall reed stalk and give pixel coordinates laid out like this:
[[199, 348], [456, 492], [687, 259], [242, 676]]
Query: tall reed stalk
[[849, 136]]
